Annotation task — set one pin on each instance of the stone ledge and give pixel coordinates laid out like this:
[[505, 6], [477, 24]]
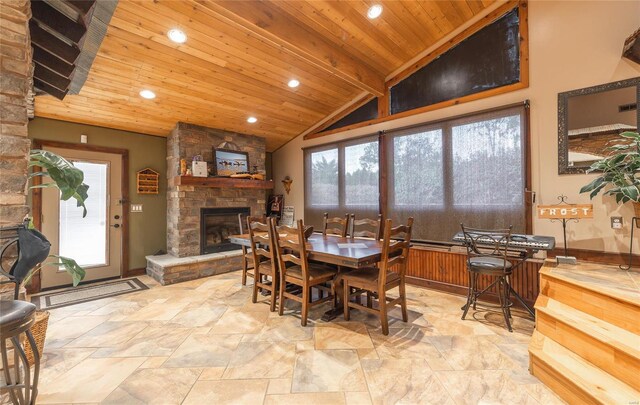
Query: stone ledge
[[168, 269]]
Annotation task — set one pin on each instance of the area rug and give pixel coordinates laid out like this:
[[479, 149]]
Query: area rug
[[77, 295]]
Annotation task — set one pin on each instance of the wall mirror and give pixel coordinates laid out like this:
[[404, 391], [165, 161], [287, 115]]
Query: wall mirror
[[591, 119]]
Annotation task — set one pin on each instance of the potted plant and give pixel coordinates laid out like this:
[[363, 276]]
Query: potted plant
[[619, 172], [70, 181]]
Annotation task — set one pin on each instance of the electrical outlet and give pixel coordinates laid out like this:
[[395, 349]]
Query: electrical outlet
[[616, 222], [136, 207]]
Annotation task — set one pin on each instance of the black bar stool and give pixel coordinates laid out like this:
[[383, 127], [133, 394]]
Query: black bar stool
[[16, 316], [487, 255]]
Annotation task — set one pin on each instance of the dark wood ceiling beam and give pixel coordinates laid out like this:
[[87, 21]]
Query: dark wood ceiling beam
[[45, 14], [50, 77], [47, 88], [53, 44], [258, 19], [52, 62], [83, 6], [631, 49]]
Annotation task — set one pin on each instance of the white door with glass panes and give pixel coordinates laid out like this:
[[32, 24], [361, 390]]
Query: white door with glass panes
[[95, 241]]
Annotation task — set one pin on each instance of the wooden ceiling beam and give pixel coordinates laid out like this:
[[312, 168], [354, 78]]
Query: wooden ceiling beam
[[45, 40], [45, 14], [47, 88], [82, 6], [43, 74], [52, 62], [258, 19]]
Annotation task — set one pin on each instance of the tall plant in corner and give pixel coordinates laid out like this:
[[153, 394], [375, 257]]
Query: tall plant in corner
[[70, 181], [619, 173]]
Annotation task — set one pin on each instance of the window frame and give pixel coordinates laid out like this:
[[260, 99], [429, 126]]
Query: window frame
[[385, 165], [342, 205]]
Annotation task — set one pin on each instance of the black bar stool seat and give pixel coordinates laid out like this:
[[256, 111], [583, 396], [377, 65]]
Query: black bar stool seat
[[16, 317], [489, 265]]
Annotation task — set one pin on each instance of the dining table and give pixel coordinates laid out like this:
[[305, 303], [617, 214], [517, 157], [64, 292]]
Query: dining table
[[355, 253]]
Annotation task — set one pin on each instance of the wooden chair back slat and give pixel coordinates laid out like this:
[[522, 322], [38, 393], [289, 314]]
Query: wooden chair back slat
[[290, 258], [291, 247], [328, 223], [373, 224], [395, 252], [260, 236]]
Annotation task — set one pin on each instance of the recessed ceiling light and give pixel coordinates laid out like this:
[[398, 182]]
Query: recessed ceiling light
[[148, 94], [251, 120], [177, 36], [293, 83], [374, 11]]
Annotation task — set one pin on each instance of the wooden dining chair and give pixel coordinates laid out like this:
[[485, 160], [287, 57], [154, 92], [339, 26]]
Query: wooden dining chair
[[247, 257], [371, 227], [264, 254], [329, 223], [378, 280], [296, 269]]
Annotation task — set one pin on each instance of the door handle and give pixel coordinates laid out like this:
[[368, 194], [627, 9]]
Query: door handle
[[533, 195], [116, 226]]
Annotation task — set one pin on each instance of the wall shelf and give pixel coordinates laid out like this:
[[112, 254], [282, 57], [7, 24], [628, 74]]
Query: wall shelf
[[220, 182], [147, 181]]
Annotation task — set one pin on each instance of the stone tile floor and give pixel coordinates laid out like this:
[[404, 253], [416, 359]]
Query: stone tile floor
[[204, 342]]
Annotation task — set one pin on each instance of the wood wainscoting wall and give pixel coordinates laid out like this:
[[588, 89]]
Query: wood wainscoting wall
[[446, 270]]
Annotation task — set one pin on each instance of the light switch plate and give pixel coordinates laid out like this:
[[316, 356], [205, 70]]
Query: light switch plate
[[136, 207], [616, 222]]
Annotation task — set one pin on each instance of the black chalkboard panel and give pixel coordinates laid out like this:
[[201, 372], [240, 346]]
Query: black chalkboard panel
[[488, 59], [367, 112]]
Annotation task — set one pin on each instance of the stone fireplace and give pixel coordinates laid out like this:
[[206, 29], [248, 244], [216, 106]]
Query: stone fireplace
[[192, 203], [184, 202], [216, 224]]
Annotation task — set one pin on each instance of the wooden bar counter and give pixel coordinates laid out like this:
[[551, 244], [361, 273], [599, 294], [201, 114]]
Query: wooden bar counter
[[445, 269]]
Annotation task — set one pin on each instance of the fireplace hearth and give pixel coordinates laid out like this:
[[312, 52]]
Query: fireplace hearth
[[216, 225]]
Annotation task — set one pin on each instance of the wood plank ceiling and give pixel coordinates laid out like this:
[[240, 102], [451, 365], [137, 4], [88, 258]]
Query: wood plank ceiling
[[239, 56]]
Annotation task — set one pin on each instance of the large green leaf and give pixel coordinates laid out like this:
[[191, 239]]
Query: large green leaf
[[77, 273], [66, 177], [631, 192], [593, 185], [632, 135]]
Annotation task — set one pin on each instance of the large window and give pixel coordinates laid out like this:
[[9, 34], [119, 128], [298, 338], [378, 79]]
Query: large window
[[469, 170], [324, 178], [418, 169], [342, 178]]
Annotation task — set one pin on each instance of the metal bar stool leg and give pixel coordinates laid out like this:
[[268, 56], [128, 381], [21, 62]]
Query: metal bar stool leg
[[6, 371], [504, 303], [508, 292], [475, 289], [36, 365], [469, 295], [22, 357]]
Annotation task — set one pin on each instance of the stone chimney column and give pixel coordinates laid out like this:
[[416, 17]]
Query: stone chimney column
[[16, 77]]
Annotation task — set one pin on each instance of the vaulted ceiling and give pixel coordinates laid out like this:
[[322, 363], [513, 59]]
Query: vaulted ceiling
[[239, 56]]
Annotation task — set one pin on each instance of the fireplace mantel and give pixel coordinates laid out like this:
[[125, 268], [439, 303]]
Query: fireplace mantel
[[220, 182]]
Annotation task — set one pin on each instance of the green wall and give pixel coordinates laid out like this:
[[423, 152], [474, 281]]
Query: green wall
[[147, 230]]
